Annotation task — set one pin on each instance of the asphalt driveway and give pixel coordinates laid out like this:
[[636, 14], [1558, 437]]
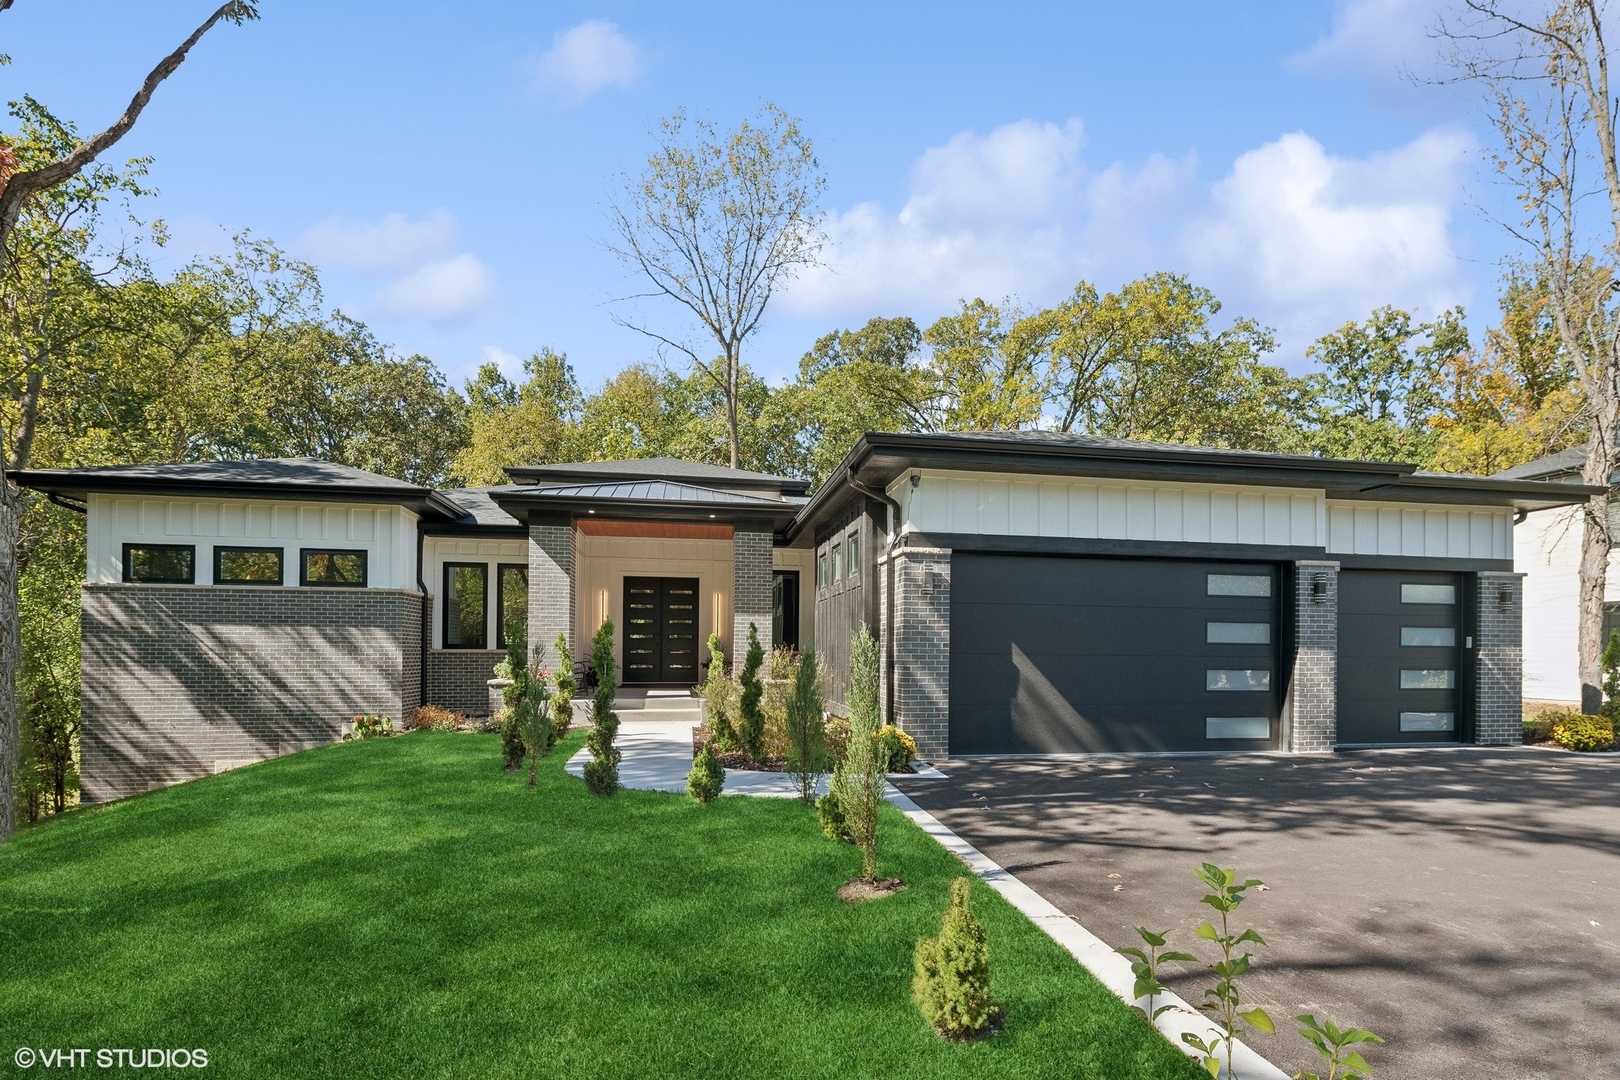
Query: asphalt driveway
[[1464, 904]]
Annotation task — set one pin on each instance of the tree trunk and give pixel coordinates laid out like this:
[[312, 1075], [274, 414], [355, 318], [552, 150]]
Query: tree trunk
[[10, 653], [733, 363], [1594, 568]]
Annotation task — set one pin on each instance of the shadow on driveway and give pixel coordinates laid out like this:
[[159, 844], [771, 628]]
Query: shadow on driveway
[[1464, 904]]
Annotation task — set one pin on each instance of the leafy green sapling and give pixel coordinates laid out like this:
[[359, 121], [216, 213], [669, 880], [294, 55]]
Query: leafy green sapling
[[1334, 1044], [1145, 966], [1223, 1002]]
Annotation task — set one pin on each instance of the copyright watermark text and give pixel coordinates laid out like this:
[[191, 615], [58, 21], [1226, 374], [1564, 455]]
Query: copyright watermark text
[[29, 1057]]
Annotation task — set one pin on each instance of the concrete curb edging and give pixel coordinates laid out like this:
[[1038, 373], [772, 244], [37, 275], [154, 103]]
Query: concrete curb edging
[[1094, 954]]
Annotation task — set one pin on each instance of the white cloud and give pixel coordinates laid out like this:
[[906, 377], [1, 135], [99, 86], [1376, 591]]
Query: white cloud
[[394, 243], [1385, 39], [1292, 236], [587, 58], [1318, 239], [440, 291]]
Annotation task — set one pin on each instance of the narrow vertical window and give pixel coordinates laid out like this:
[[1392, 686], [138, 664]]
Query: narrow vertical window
[[466, 591], [852, 548], [838, 562], [513, 606]]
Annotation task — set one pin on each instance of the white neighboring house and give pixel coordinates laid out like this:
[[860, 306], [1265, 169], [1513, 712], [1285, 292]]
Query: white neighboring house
[[1547, 551]]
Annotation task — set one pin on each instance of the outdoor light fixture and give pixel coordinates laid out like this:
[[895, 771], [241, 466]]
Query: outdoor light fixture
[[1504, 597], [1319, 584], [916, 478]]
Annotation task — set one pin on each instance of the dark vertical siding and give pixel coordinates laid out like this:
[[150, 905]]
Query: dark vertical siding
[[843, 605]]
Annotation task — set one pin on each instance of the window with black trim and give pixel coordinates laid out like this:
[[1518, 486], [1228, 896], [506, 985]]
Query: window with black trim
[[466, 592], [161, 564], [248, 566], [512, 607], [325, 566]]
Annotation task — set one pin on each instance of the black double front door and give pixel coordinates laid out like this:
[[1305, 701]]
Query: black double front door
[[661, 630]]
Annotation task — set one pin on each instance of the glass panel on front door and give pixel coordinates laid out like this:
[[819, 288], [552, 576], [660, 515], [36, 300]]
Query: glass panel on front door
[[661, 630], [785, 609]]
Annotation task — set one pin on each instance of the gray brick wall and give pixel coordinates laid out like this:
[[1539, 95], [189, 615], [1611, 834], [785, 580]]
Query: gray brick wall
[[750, 590], [1499, 659], [1313, 691], [459, 678], [551, 590], [922, 648], [181, 681]]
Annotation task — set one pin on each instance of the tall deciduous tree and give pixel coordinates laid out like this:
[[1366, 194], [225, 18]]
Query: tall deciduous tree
[[1546, 70], [717, 223], [21, 185]]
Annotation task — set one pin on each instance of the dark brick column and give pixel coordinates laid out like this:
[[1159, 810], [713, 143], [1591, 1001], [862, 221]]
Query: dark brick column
[[750, 591], [1313, 692], [551, 588], [1499, 659], [921, 614]]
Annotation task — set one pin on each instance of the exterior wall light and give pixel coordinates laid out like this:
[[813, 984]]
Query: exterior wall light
[[1319, 588], [1504, 597], [916, 478]]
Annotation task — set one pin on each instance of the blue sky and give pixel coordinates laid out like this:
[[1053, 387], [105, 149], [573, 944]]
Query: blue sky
[[448, 165]]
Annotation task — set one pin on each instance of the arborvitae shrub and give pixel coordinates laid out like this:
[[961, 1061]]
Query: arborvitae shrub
[[719, 696], [513, 667], [751, 718], [860, 779], [805, 710], [602, 771], [562, 698], [830, 812], [1586, 733], [706, 779], [951, 984]]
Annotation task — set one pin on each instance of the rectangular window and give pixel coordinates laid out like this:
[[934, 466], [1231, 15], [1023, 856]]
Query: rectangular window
[[1427, 594], [838, 562], [1237, 679], [513, 604], [1428, 721], [161, 564], [247, 566], [1428, 636], [1237, 727], [1428, 679], [852, 548], [323, 567], [1239, 585], [821, 570], [466, 590], [1238, 633]]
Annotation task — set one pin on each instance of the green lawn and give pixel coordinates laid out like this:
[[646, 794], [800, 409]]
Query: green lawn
[[403, 907]]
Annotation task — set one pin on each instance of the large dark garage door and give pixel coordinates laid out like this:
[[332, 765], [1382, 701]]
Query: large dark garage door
[[1400, 657], [1075, 655]]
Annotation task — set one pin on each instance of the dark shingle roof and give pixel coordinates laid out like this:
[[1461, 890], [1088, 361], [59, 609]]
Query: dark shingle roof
[[1562, 463], [480, 508], [299, 470]]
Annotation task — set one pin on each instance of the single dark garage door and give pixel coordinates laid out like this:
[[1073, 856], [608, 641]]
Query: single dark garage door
[[1076, 655], [1401, 642], [660, 630]]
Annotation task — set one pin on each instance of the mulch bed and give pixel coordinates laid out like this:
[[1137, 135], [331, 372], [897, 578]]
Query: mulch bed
[[741, 762], [855, 891]]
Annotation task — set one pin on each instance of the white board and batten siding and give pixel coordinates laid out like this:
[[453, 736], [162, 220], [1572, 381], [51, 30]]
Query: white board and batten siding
[[1090, 509], [438, 550], [386, 533]]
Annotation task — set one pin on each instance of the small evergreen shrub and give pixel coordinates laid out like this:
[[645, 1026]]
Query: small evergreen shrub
[[830, 812], [750, 717], [896, 748], [951, 980], [706, 779], [602, 771], [562, 694], [1538, 726], [1583, 732], [804, 716], [835, 733], [370, 726], [719, 697], [1610, 660]]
